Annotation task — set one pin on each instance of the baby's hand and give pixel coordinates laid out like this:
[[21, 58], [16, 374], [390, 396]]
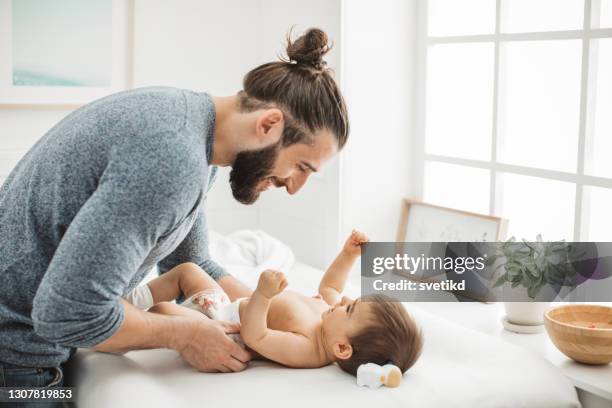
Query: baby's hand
[[352, 246], [271, 283]]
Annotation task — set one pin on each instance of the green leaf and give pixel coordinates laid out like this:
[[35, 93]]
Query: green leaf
[[527, 244], [500, 281], [532, 291], [490, 260], [501, 265], [527, 280], [533, 264], [533, 271], [514, 272]]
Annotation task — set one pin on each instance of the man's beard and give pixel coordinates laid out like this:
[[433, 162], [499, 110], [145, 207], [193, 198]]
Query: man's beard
[[249, 169]]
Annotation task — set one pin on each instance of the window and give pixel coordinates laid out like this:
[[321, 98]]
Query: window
[[514, 113]]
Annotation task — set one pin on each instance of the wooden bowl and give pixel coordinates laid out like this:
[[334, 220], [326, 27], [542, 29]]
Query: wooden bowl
[[581, 332]]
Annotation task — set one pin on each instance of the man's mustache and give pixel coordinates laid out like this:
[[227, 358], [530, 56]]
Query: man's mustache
[[277, 182]]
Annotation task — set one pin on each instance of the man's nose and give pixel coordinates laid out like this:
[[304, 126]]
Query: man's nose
[[295, 183]]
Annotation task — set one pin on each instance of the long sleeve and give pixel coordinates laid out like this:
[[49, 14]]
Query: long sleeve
[[146, 190], [194, 247]]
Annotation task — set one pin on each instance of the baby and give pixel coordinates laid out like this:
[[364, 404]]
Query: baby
[[297, 330]]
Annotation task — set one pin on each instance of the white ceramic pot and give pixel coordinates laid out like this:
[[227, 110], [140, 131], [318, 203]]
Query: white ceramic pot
[[526, 313]]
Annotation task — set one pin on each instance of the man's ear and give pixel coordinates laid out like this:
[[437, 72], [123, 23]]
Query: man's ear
[[343, 351], [269, 127]]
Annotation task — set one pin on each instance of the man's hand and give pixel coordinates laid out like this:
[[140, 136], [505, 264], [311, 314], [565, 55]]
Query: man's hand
[[352, 246], [208, 347], [202, 342], [271, 283]]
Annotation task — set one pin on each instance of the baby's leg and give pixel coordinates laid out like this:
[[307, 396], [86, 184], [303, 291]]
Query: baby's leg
[[187, 278]]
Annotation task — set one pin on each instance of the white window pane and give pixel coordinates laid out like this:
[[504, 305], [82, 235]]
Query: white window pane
[[460, 100], [602, 16], [599, 144], [464, 17], [461, 187], [539, 104], [541, 15], [596, 207], [536, 206]]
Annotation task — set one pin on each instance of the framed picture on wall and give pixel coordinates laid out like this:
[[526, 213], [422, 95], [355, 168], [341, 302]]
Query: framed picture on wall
[[451, 232], [67, 52]]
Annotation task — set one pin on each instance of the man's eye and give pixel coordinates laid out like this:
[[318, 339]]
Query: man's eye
[[348, 309], [301, 168]]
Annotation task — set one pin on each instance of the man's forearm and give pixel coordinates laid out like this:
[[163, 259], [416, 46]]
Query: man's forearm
[[144, 330]]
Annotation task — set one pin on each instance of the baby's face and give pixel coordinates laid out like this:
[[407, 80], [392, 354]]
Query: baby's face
[[345, 318]]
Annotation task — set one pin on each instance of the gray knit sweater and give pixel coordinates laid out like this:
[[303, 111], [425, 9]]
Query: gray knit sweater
[[115, 188]]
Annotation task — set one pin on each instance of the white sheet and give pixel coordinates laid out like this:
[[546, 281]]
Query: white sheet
[[459, 368]]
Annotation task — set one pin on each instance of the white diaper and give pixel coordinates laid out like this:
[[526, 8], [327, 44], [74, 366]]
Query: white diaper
[[216, 305], [230, 313], [210, 302]]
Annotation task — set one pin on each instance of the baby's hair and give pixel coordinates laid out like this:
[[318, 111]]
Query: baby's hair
[[391, 336]]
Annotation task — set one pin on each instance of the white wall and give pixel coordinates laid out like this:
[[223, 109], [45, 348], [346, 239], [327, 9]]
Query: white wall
[[180, 46], [20, 129], [209, 46], [205, 46], [309, 220], [379, 83]]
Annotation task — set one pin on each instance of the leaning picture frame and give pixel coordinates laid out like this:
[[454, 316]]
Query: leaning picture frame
[[64, 53], [425, 222]]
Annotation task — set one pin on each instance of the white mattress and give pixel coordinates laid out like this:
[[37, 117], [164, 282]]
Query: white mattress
[[459, 368]]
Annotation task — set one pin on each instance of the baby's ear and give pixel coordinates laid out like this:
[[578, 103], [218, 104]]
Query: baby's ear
[[343, 351]]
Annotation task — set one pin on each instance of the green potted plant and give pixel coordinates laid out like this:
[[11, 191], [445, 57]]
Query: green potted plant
[[523, 269]]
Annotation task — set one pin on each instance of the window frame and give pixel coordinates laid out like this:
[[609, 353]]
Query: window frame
[[578, 178]]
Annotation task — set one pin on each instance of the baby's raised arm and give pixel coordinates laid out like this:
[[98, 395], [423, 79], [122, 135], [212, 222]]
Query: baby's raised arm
[[333, 281], [290, 349]]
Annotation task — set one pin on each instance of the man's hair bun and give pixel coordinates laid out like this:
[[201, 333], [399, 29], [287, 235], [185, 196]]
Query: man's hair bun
[[309, 49]]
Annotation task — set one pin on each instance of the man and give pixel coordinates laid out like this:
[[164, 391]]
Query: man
[[119, 186]]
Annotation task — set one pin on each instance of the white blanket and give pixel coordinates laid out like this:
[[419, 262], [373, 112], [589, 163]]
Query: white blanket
[[459, 367], [246, 253]]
